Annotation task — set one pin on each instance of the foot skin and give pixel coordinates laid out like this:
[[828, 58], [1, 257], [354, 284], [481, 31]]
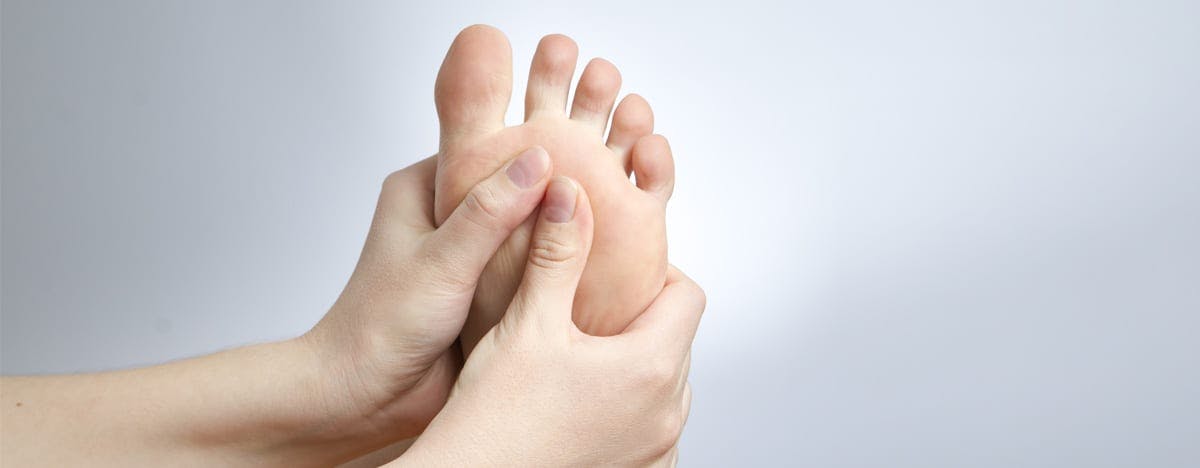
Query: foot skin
[[628, 261]]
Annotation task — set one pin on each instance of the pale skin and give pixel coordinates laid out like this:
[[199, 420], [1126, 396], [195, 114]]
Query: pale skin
[[458, 245], [382, 363], [628, 267]]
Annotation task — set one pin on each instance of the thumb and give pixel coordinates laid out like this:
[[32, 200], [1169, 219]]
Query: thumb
[[558, 251], [461, 247]]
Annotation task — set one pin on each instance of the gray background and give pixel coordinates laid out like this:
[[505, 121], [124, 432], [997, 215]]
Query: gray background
[[933, 234]]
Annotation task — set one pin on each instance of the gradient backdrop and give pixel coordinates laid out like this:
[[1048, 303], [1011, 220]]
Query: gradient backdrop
[[933, 234]]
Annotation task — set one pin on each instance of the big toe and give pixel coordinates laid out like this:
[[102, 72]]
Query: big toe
[[475, 83]]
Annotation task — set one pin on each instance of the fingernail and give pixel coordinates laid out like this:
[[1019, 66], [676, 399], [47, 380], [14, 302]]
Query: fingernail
[[559, 205], [529, 167]]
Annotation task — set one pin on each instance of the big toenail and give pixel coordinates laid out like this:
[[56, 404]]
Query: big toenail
[[529, 167]]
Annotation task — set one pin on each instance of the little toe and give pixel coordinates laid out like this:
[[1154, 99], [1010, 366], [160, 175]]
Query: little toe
[[632, 120], [653, 166], [474, 83], [596, 93], [550, 76]]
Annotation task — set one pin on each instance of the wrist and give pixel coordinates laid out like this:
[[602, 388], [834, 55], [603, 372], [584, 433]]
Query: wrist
[[371, 390], [337, 403]]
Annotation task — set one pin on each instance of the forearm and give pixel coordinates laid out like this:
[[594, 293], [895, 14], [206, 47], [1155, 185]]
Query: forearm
[[269, 404]]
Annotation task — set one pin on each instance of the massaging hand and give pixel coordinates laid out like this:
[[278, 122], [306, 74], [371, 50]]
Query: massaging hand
[[536, 391], [375, 370], [380, 365], [390, 335]]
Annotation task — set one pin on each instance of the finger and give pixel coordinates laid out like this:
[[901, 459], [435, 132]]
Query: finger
[[684, 371], [673, 316], [463, 245], [407, 197], [685, 407], [687, 401], [558, 250], [669, 459]]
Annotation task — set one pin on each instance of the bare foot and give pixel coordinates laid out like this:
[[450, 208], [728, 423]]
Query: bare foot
[[628, 261]]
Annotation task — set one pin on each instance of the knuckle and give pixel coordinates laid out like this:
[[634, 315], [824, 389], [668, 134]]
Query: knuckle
[[658, 374], [666, 373], [696, 294], [672, 428], [549, 252], [701, 297], [391, 184], [485, 206], [394, 180], [666, 432]]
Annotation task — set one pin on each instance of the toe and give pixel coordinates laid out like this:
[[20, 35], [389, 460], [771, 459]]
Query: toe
[[653, 166], [550, 75], [594, 97], [632, 120], [475, 83]]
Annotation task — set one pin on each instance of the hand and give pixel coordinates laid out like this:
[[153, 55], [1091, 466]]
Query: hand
[[389, 339], [536, 391], [379, 366], [375, 370]]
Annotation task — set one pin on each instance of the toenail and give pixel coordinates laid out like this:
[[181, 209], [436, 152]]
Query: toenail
[[529, 167], [559, 205]]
